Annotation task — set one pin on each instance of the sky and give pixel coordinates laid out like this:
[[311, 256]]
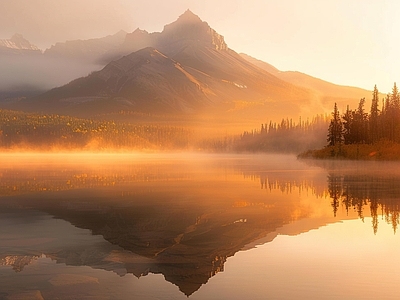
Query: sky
[[347, 42]]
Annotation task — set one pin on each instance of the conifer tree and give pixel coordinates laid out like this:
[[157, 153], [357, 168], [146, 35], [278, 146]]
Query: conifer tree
[[347, 127], [373, 118], [360, 127], [335, 130], [395, 130], [395, 97], [387, 118]]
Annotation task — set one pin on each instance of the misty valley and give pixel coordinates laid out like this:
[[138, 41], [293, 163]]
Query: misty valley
[[119, 226], [181, 89], [166, 165]]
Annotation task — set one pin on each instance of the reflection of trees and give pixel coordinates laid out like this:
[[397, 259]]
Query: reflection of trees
[[178, 223], [288, 186], [14, 181], [353, 191], [335, 191]]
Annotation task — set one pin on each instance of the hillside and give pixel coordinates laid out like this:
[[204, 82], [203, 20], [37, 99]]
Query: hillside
[[328, 93]]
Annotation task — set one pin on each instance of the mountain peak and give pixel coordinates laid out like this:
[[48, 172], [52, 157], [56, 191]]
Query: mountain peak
[[189, 17], [189, 27], [22, 43], [139, 32], [17, 37], [18, 42], [186, 21]]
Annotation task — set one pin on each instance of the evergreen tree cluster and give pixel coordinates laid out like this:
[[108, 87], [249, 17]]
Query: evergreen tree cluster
[[49, 132], [286, 136], [358, 127]]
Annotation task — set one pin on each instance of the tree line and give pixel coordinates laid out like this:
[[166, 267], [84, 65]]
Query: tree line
[[50, 132], [285, 136], [359, 127]]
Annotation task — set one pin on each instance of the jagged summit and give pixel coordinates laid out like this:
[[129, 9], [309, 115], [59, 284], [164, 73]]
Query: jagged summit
[[139, 31], [190, 27], [187, 30], [189, 17], [18, 42]]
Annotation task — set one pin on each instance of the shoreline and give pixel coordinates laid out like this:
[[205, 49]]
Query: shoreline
[[381, 151]]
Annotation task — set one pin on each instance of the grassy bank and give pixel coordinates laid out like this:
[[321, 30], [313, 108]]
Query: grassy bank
[[383, 150]]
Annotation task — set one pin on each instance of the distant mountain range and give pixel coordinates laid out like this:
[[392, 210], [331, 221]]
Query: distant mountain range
[[185, 69], [17, 44], [93, 50]]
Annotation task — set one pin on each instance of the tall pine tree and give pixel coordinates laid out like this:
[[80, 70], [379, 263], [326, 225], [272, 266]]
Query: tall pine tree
[[373, 117], [335, 130], [395, 114], [348, 127]]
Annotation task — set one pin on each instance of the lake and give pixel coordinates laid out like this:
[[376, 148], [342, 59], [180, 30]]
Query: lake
[[203, 226]]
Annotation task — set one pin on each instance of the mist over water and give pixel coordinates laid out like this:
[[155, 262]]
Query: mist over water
[[134, 165], [212, 225]]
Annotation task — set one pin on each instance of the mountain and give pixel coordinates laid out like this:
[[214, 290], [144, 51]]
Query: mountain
[[188, 27], [327, 92], [88, 51], [17, 45], [133, 42], [185, 70], [188, 68], [17, 55]]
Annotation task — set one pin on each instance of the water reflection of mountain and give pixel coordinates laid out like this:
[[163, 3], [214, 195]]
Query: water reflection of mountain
[[185, 238], [17, 262], [22, 180], [163, 218], [166, 218]]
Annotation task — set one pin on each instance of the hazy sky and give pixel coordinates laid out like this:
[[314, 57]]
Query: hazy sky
[[350, 42]]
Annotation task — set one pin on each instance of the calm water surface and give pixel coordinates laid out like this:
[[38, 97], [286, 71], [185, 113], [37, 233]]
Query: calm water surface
[[173, 226]]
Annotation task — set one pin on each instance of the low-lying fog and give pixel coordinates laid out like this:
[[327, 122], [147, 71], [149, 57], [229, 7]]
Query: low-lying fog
[[40, 72]]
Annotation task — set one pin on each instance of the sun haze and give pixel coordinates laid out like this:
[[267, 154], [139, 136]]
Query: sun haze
[[345, 42]]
